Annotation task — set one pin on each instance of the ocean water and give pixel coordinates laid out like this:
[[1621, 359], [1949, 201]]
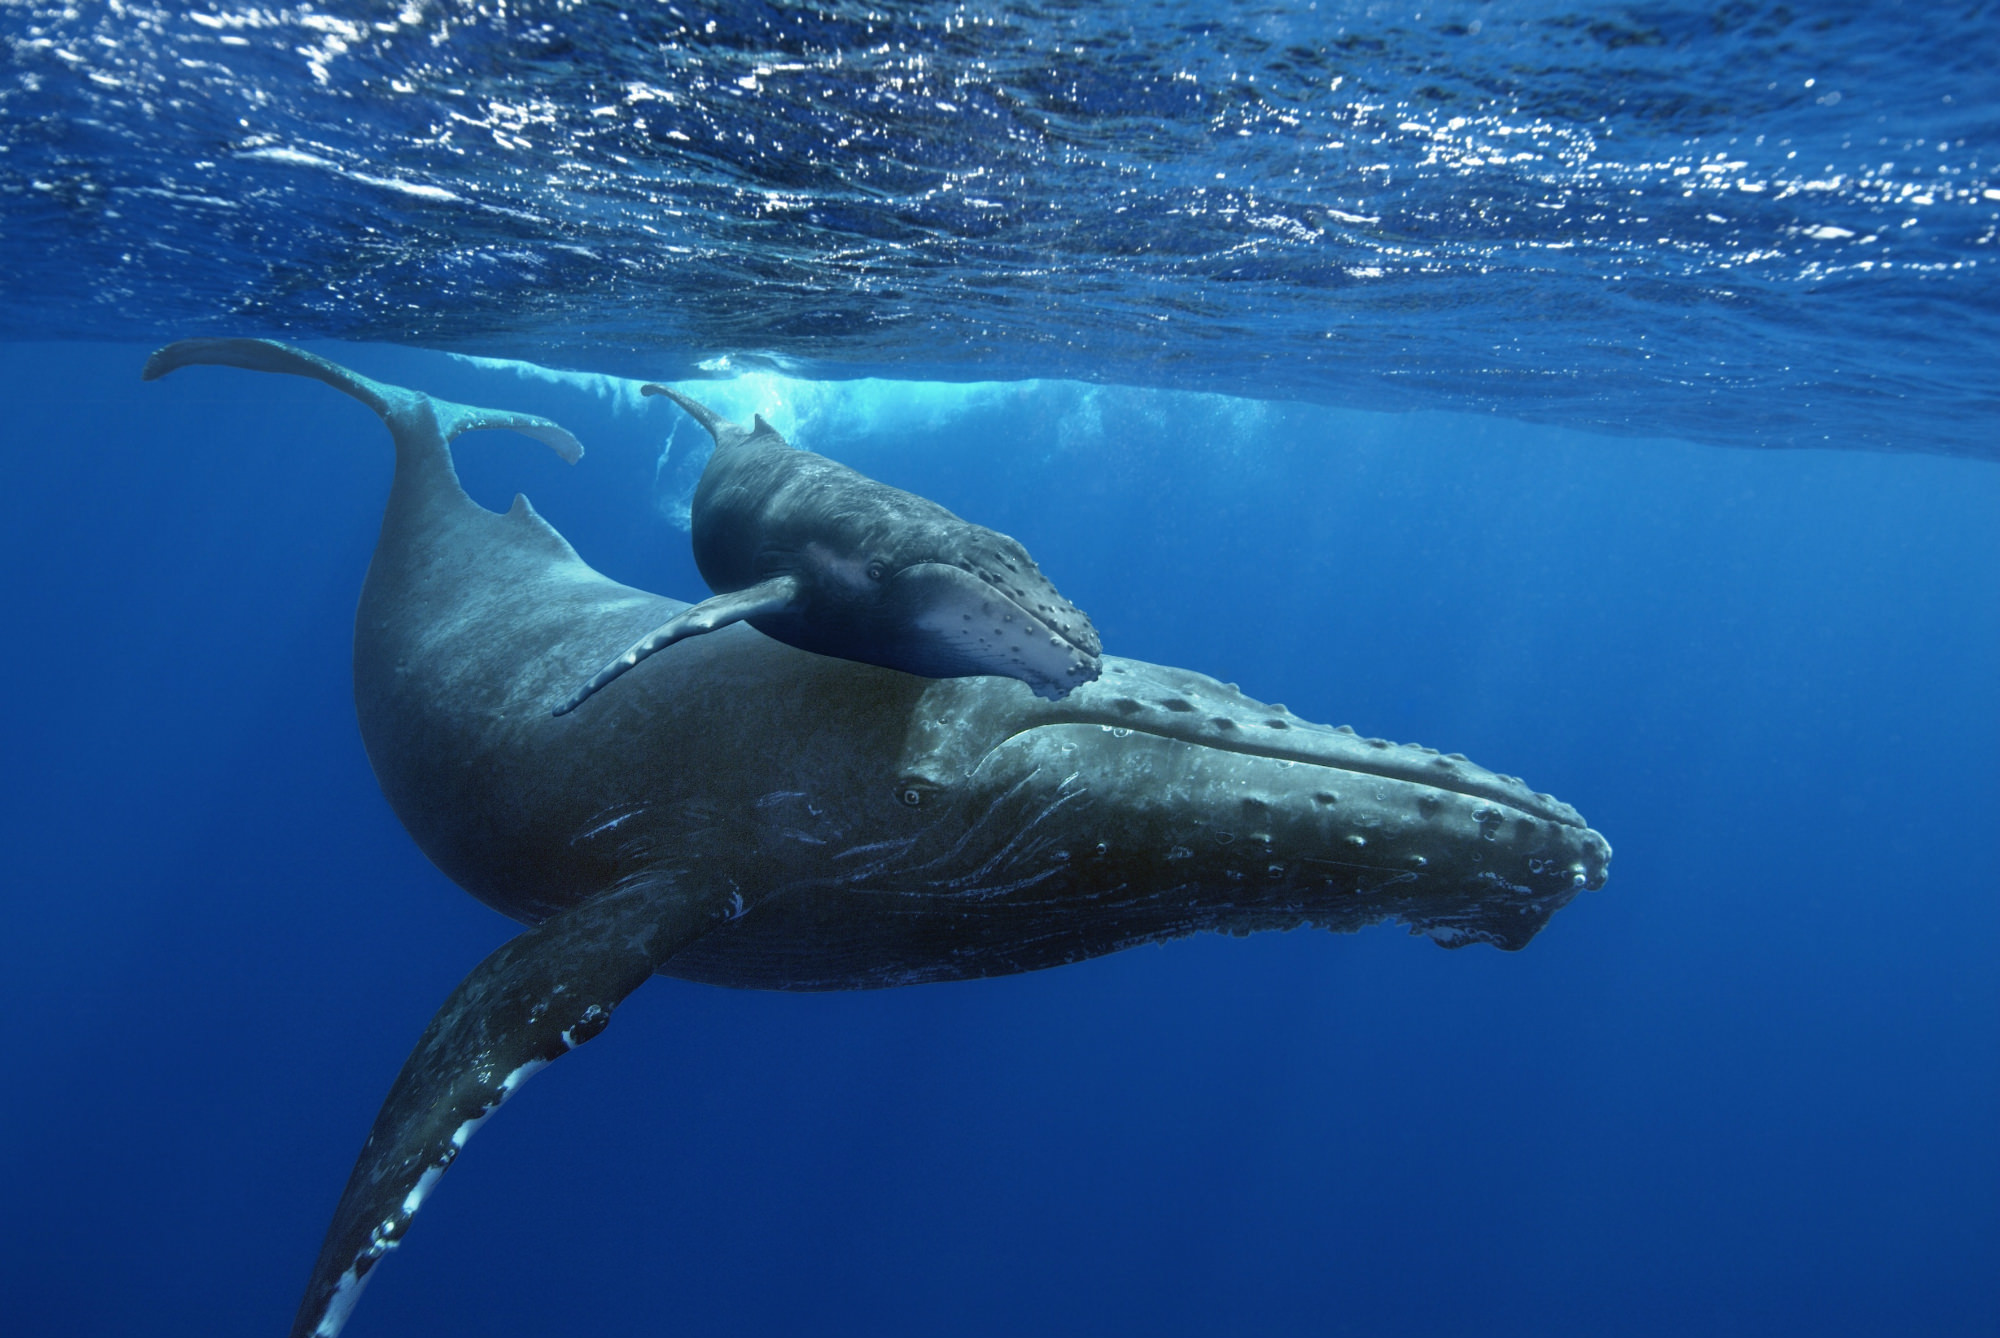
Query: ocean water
[[1426, 370]]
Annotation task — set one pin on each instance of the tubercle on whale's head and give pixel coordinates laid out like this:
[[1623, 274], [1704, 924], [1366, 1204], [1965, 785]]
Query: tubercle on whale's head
[[1157, 778]]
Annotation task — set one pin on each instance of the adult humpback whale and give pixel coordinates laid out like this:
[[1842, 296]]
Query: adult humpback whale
[[826, 559], [752, 815]]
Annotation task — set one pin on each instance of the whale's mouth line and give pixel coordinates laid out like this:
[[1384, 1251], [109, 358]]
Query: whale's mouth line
[[1464, 786]]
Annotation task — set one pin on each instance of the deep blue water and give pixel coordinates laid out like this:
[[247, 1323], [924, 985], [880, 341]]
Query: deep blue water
[[1748, 1087], [1495, 476]]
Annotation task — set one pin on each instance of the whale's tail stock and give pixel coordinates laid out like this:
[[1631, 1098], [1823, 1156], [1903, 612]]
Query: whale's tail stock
[[536, 998]]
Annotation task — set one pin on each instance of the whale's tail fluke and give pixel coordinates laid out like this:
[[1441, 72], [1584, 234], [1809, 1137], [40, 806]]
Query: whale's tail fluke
[[701, 413], [408, 413], [264, 355], [726, 433]]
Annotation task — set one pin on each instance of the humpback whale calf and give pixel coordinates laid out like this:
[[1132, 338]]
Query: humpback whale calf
[[826, 559], [749, 814]]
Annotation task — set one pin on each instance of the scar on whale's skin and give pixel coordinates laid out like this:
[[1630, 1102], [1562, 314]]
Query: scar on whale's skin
[[818, 556]]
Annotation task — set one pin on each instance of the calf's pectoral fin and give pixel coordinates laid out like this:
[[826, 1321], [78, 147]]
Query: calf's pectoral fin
[[772, 596], [538, 997]]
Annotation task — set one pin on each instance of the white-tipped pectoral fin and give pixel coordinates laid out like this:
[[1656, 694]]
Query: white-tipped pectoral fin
[[532, 1001], [772, 596]]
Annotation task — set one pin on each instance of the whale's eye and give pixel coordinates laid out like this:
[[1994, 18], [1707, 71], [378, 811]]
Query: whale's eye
[[913, 796], [877, 569]]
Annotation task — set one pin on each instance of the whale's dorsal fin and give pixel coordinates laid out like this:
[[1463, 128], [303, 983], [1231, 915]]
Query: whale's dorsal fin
[[540, 996], [772, 596]]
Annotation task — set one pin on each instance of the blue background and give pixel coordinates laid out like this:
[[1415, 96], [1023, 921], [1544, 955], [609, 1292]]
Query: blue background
[[1749, 1087]]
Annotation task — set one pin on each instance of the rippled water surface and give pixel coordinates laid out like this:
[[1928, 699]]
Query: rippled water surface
[[1743, 223]]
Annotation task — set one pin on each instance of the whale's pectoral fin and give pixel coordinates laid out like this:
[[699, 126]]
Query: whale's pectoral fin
[[538, 997], [772, 596]]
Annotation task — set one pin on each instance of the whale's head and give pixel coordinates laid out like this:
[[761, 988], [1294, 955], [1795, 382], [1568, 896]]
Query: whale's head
[[1156, 802], [915, 588], [985, 831]]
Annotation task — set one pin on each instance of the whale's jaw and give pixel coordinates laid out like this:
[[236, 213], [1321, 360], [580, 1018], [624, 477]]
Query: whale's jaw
[[1258, 816], [960, 625], [1148, 805]]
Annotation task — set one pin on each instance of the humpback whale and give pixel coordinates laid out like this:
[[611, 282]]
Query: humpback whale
[[826, 559], [753, 815]]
